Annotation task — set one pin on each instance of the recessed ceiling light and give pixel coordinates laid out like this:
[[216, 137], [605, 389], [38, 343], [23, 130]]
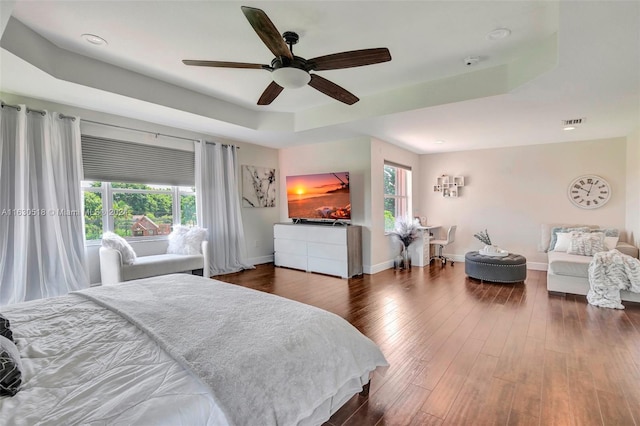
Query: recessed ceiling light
[[439, 141], [94, 39], [499, 33], [569, 128]]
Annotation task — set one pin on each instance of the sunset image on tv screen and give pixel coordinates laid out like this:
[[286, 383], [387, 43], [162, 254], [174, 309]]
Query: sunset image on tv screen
[[320, 196]]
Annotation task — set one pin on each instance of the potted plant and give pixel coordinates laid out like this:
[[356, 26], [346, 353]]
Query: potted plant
[[406, 231], [483, 236]]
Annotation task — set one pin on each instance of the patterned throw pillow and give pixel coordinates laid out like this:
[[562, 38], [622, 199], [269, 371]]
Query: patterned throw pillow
[[608, 232], [10, 368], [116, 242], [556, 229], [586, 243], [5, 331]]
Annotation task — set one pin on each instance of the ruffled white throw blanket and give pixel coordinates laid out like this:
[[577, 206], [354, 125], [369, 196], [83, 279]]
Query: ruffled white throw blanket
[[609, 272], [266, 359]]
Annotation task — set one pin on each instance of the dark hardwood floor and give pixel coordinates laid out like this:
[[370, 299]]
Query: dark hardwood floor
[[469, 353]]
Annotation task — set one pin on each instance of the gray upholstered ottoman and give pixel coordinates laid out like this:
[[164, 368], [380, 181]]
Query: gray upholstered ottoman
[[507, 269]]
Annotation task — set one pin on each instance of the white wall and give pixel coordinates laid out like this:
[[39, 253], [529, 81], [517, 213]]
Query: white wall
[[384, 247], [633, 188], [512, 191], [364, 158], [509, 191], [351, 156], [257, 221]]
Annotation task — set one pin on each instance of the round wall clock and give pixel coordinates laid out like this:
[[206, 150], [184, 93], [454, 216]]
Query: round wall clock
[[589, 191]]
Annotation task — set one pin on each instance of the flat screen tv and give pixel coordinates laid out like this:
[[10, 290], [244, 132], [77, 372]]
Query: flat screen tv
[[320, 197]]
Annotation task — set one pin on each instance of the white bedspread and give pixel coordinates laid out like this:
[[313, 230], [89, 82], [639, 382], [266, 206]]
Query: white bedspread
[[610, 272], [267, 360], [87, 365]]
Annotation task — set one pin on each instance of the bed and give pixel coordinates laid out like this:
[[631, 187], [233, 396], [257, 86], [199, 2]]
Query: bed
[[181, 349]]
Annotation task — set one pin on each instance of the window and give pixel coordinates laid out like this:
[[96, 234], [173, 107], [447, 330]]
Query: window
[[397, 194], [134, 210], [93, 208], [187, 205]]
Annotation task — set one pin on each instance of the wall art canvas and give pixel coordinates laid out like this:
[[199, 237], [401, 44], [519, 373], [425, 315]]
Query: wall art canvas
[[258, 186]]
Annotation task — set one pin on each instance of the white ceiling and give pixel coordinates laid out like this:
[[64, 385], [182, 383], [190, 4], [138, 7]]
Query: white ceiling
[[563, 60]]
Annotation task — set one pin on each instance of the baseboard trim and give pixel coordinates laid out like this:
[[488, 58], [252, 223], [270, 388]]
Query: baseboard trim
[[262, 259], [457, 258], [534, 266], [537, 266], [374, 269], [454, 257]]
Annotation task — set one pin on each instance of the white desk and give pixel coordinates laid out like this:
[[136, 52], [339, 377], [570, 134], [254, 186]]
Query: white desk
[[420, 250]]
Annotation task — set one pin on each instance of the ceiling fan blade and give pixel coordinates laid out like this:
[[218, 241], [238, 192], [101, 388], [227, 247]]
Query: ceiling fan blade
[[270, 93], [331, 89], [267, 31], [222, 64], [354, 58]]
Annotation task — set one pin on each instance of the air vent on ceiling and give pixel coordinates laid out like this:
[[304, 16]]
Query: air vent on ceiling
[[573, 121]]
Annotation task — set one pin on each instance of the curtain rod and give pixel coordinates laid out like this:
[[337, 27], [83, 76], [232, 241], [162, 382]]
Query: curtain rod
[[37, 111], [139, 130], [113, 125], [151, 133], [223, 144]]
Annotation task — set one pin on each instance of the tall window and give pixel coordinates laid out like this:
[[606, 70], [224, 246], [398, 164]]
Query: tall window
[[136, 210], [397, 194]]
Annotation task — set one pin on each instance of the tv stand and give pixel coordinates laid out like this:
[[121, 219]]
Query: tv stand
[[331, 250]]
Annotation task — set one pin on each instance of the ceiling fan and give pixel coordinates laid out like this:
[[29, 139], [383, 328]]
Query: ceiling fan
[[290, 71]]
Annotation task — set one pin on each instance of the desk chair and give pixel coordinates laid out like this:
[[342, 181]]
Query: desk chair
[[440, 244]]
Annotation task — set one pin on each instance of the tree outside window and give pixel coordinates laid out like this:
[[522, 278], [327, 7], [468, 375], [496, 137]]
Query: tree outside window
[[93, 207], [135, 210], [397, 195]]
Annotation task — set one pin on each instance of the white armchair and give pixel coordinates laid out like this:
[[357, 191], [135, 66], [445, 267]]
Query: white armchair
[[113, 270]]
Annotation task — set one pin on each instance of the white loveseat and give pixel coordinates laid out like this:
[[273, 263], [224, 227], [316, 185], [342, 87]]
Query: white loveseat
[[113, 270], [568, 273]]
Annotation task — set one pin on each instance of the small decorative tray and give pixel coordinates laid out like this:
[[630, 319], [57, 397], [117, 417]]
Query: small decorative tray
[[501, 253]]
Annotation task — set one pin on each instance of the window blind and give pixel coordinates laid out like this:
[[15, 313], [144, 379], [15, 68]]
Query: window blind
[[114, 160], [400, 166]]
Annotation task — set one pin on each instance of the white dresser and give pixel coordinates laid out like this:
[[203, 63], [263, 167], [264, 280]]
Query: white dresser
[[331, 250]]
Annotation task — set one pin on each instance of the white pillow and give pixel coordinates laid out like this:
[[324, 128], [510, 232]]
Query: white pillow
[[116, 242], [610, 242], [562, 241], [186, 240]]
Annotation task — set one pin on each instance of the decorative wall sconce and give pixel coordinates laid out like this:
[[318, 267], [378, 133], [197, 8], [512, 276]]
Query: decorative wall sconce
[[449, 185]]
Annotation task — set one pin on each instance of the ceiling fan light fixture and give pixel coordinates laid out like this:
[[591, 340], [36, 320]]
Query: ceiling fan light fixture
[[499, 33], [292, 72], [291, 78]]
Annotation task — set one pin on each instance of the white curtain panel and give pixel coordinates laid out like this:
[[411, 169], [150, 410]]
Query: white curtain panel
[[218, 206], [42, 250]]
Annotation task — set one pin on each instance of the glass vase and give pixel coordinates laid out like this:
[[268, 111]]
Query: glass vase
[[397, 263], [406, 259]]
